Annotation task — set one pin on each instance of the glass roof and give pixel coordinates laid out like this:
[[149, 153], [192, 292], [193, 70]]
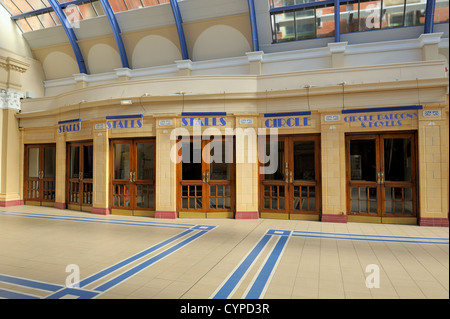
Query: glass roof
[[75, 10]]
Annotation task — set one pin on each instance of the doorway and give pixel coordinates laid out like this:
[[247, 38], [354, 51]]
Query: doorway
[[206, 178], [381, 177], [290, 185], [39, 175], [79, 188], [132, 167]]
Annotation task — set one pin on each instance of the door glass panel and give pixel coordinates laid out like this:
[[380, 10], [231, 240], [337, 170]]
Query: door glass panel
[[273, 168], [363, 160], [221, 156], [122, 195], [304, 163], [74, 161], [33, 162], [397, 159], [49, 162], [145, 157], [122, 161], [88, 161], [191, 161]]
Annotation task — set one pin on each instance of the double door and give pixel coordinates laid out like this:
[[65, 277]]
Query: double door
[[206, 178], [132, 167], [79, 189], [381, 176], [39, 174], [290, 179]]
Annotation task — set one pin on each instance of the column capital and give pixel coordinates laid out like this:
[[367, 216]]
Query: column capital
[[10, 99]]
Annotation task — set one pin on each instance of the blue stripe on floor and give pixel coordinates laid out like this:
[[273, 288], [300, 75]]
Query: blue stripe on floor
[[234, 279], [263, 277], [8, 294], [117, 280], [29, 283], [105, 220], [367, 235], [131, 259]]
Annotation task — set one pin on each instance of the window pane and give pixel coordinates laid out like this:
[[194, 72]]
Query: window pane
[[304, 160], [363, 160], [88, 162], [133, 4], [118, 5], [284, 27], [397, 159], [441, 11], [392, 13], [34, 23], [46, 20], [122, 161], [74, 161], [49, 162], [276, 160], [145, 155], [369, 15], [349, 17], [23, 24], [415, 12], [33, 162], [305, 21], [325, 22]]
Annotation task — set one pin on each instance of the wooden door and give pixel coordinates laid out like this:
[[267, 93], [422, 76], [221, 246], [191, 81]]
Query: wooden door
[[39, 175], [290, 182], [381, 175], [133, 177], [205, 178], [79, 188]]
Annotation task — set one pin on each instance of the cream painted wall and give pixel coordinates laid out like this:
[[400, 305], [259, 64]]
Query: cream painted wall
[[154, 50], [103, 58], [220, 41], [58, 64]]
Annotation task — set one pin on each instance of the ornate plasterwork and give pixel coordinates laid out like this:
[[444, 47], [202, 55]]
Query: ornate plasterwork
[[10, 99]]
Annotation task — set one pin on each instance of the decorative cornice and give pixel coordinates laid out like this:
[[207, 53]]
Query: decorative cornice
[[9, 63]]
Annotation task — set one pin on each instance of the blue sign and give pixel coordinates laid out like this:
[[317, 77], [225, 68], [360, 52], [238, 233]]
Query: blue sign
[[124, 121], [69, 126], [381, 120], [207, 121], [288, 122]]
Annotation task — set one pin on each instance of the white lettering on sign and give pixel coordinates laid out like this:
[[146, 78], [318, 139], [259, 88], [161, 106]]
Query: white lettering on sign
[[245, 121], [165, 122], [432, 113], [99, 126], [334, 117]]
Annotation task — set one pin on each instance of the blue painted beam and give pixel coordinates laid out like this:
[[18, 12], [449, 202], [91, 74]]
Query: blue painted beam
[[252, 12], [116, 31], [429, 16], [179, 24], [337, 21], [70, 34]]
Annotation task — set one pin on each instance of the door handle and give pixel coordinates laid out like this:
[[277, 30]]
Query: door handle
[[207, 176], [80, 176], [286, 176], [41, 175], [204, 177], [382, 178], [378, 177], [131, 177], [134, 176], [291, 175]]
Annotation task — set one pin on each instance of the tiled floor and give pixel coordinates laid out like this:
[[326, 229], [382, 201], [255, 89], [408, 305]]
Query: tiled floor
[[137, 257]]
